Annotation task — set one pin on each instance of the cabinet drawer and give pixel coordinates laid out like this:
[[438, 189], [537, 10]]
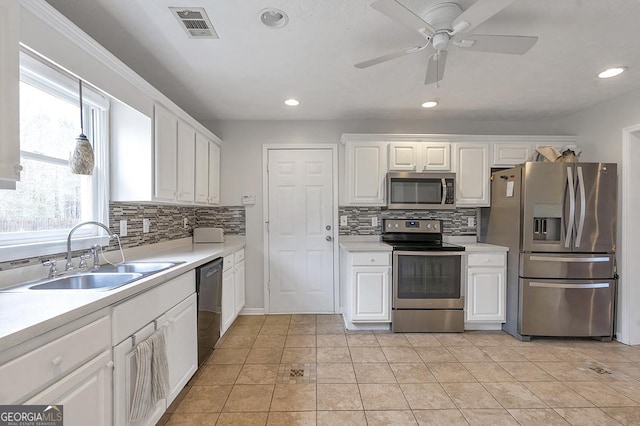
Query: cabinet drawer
[[239, 256], [372, 258], [35, 369], [486, 259], [227, 262]]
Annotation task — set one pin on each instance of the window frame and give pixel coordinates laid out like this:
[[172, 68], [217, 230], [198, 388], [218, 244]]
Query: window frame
[[49, 78]]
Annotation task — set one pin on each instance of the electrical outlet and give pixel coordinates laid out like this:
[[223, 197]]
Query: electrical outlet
[[343, 220], [185, 223], [123, 228], [374, 221], [146, 223], [471, 222]]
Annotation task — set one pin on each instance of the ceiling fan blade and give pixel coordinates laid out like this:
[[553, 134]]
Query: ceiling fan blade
[[389, 56], [511, 45], [435, 67], [401, 14], [479, 12]]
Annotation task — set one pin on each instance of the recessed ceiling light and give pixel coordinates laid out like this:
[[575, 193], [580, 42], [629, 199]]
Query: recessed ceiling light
[[292, 102], [430, 104], [612, 72], [273, 18]]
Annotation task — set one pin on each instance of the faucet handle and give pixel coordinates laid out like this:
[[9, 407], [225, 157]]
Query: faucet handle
[[83, 260], [53, 267]]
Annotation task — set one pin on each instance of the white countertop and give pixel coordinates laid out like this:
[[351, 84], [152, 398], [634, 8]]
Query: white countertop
[[365, 246], [474, 247], [25, 315]]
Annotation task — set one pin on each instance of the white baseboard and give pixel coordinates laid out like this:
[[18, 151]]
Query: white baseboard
[[367, 326], [483, 326], [252, 311]]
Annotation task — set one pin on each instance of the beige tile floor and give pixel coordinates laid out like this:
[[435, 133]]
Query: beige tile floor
[[381, 378]]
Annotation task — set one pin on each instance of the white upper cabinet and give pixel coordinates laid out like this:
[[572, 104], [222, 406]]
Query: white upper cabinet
[[165, 149], [510, 154], [472, 174], [365, 172], [214, 173], [202, 169], [9, 95], [419, 156], [186, 146]]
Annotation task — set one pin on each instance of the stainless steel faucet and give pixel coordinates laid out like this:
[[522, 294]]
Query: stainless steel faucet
[[69, 264]]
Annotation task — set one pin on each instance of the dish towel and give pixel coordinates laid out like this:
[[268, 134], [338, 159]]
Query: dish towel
[[152, 378]]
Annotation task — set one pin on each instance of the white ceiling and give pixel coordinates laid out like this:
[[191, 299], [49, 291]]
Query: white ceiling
[[251, 69]]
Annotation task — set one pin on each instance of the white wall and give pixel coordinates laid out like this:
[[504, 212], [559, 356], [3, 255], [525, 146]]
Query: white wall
[[241, 165], [599, 131]]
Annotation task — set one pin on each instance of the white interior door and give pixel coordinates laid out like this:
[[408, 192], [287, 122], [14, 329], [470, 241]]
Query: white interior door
[[301, 234]]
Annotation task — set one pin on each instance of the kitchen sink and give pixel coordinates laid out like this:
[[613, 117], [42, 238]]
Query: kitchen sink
[[138, 267], [97, 281]]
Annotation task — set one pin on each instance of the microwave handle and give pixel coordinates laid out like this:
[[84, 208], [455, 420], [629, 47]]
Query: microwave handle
[[444, 191]]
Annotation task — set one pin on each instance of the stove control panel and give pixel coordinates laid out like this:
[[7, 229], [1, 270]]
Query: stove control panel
[[410, 225]]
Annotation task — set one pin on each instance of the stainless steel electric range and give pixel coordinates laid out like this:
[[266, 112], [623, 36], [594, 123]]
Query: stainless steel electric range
[[427, 277]]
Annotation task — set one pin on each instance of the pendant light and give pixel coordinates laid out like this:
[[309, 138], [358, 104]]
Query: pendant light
[[82, 160]]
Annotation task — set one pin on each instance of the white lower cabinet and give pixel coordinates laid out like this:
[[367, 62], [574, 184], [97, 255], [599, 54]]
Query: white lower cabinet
[[136, 319], [84, 394], [233, 289], [366, 288], [485, 299]]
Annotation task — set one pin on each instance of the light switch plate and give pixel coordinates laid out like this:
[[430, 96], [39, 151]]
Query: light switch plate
[[343, 220], [123, 228], [374, 221], [471, 222], [146, 223]]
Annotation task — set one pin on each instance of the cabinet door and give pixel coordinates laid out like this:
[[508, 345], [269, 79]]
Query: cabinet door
[[371, 297], [435, 156], [165, 151], [486, 295], [365, 171], [182, 344], [228, 300], [510, 154], [472, 175], [202, 169], [214, 173], [186, 162], [403, 156], [85, 393], [239, 286], [9, 83]]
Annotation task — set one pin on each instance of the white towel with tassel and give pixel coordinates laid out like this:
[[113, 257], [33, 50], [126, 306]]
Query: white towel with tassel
[[152, 378]]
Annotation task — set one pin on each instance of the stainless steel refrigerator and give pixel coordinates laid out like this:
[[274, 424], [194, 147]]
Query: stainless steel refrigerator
[[559, 222]]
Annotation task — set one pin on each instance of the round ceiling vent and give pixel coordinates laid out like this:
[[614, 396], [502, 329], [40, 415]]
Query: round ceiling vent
[[273, 18]]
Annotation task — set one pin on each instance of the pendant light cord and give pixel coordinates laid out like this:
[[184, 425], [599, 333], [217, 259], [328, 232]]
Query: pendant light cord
[[81, 118]]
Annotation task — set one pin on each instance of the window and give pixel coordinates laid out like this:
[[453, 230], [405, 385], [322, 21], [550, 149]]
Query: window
[[49, 200]]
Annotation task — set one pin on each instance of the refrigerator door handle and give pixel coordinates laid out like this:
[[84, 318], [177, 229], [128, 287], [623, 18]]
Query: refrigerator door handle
[[572, 207], [576, 286], [583, 200], [570, 259]]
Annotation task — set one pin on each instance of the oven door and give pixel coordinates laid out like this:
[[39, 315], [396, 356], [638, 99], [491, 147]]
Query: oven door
[[427, 280]]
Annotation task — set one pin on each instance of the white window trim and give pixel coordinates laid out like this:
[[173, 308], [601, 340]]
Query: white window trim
[[43, 76]]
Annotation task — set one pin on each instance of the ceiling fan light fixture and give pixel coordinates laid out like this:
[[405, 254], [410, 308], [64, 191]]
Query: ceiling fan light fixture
[[273, 18], [612, 72], [430, 104], [292, 102]]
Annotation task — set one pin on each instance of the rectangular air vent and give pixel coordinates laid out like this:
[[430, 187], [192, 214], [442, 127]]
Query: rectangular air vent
[[195, 22]]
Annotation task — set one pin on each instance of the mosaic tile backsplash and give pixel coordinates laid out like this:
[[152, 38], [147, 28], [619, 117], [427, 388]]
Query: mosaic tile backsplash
[[454, 222], [166, 224]]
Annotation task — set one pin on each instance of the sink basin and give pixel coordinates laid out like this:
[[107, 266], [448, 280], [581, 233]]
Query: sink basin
[[95, 281], [139, 267]]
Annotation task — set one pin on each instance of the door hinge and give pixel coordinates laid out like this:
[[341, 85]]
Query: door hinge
[[269, 286]]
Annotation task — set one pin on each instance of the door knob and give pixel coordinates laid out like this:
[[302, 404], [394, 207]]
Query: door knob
[[328, 227], [328, 238]]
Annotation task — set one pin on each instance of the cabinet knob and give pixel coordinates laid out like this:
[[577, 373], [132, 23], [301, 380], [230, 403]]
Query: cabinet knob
[[57, 361], [110, 364]]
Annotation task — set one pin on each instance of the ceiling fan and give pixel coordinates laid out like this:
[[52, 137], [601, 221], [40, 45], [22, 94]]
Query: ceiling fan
[[445, 24]]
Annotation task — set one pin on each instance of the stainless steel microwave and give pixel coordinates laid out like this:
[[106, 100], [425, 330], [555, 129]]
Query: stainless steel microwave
[[421, 191]]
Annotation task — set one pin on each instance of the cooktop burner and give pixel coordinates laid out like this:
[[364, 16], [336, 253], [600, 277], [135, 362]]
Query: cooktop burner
[[416, 235]]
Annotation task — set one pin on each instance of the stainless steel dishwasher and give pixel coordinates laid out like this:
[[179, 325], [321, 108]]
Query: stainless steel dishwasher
[[209, 290]]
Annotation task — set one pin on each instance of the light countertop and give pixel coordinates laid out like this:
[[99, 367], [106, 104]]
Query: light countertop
[[28, 314]]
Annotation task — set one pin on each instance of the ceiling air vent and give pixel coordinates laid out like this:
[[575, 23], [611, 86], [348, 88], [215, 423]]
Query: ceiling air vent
[[195, 22]]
